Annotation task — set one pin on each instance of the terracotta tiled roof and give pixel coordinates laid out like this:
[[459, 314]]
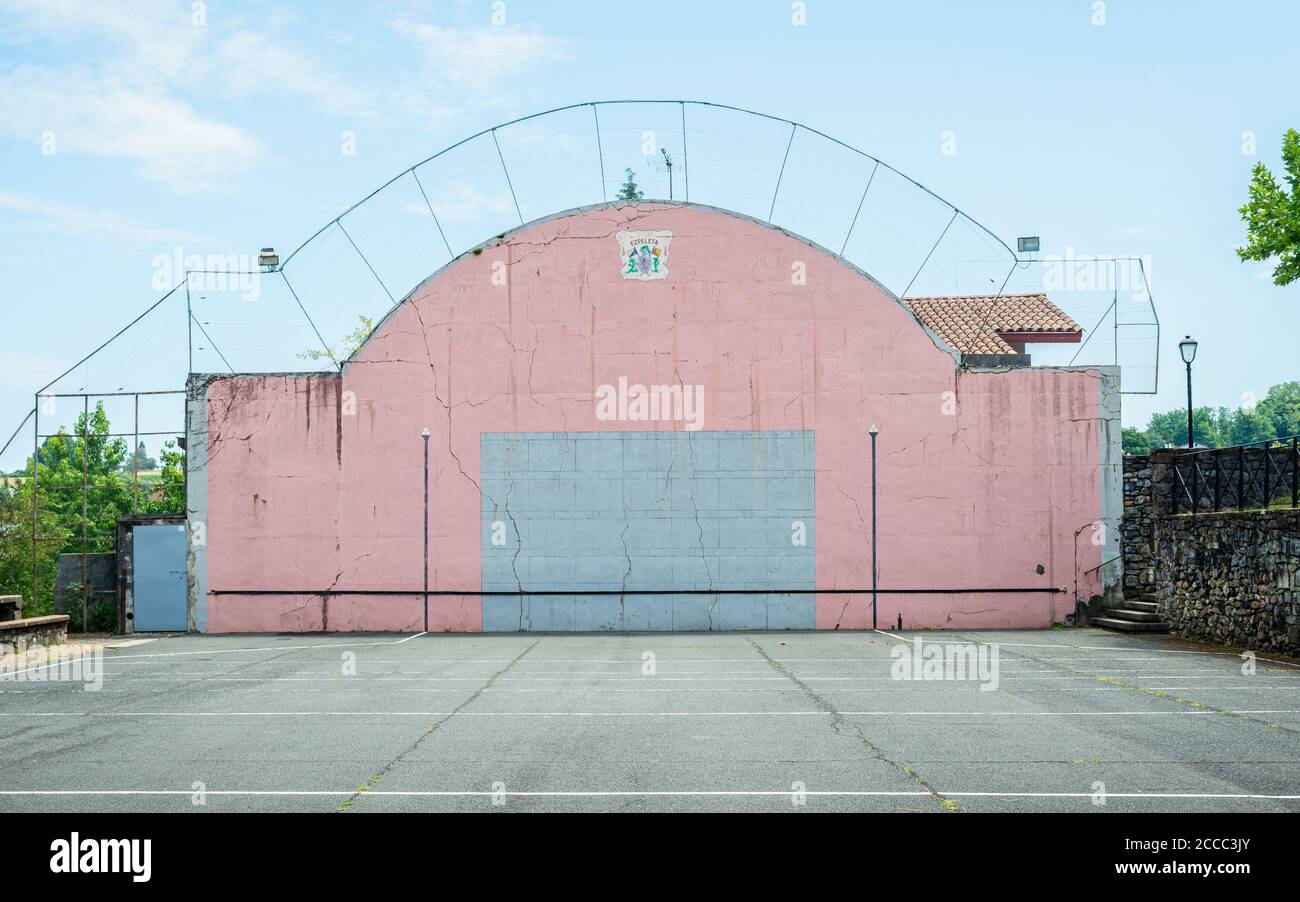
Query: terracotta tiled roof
[[972, 324]]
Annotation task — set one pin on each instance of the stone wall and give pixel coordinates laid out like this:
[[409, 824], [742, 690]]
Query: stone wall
[[1135, 532], [1232, 577], [49, 630]]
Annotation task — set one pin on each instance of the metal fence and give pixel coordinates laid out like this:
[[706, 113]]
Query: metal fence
[[1254, 476], [73, 498]]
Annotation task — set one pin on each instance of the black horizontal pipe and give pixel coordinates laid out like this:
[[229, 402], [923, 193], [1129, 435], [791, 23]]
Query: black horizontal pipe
[[518, 592]]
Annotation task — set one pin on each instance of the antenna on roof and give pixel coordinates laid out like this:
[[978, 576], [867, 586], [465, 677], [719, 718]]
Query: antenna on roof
[[666, 166]]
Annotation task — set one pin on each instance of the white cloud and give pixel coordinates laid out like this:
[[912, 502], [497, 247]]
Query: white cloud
[[35, 214], [143, 61], [458, 202], [480, 58], [156, 42], [141, 77], [172, 143]]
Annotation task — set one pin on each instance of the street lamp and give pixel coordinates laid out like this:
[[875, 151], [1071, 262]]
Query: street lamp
[[1187, 348], [873, 431], [424, 433]]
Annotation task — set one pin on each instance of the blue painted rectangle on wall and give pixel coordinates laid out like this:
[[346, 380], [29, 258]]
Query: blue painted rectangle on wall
[[629, 511]]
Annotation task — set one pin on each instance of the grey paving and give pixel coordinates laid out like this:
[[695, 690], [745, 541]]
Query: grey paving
[[1080, 720]]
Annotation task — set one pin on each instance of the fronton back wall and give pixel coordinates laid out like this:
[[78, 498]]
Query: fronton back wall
[[525, 362]]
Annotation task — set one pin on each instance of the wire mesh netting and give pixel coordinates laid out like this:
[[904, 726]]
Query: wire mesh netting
[[307, 314]]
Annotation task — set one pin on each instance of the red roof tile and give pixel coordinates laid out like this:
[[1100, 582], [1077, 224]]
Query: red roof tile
[[975, 325]]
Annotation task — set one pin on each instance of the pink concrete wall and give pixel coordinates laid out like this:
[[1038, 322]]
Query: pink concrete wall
[[314, 481]]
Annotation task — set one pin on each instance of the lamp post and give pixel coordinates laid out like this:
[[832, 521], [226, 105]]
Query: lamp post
[[1187, 348], [873, 431], [424, 433]]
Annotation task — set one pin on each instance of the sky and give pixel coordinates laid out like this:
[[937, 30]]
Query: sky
[[132, 132]]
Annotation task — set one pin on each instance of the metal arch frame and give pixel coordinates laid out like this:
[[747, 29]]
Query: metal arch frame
[[795, 126], [1113, 311], [595, 105]]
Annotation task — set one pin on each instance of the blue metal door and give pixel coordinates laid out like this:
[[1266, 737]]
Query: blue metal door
[[160, 578]]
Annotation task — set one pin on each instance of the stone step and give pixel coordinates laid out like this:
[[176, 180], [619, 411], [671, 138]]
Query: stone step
[[1128, 626], [1135, 614], [1152, 606]]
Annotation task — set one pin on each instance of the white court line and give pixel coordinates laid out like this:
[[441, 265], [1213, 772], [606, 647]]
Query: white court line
[[574, 680], [462, 713], [958, 687], [409, 638], [1119, 648], [785, 793], [1127, 654], [219, 651], [672, 673], [637, 662], [706, 692], [433, 663]]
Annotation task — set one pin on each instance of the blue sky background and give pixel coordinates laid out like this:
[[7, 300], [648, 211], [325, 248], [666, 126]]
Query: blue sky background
[[1128, 137]]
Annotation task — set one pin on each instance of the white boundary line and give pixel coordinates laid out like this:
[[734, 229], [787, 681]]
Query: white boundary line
[[968, 686], [1128, 652], [784, 793], [462, 713], [1120, 648], [214, 651]]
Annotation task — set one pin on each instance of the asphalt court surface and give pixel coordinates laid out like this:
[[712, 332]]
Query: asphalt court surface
[[1080, 720]]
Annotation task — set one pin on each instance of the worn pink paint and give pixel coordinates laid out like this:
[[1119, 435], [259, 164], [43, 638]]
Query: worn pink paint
[[314, 481]]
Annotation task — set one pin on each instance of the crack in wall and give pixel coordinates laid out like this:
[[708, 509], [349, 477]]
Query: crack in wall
[[695, 481]]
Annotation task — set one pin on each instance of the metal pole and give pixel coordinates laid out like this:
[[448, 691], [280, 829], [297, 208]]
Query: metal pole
[[1295, 472], [1218, 492], [189, 326], [874, 432], [1190, 441], [1241, 478], [600, 152], [36, 472], [135, 462], [425, 435], [1196, 485], [85, 514], [1268, 488], [686, 165]]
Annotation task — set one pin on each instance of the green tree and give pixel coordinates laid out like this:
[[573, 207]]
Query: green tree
[[168, 497], [629, 190], [1272, 215], [351, 342], [86, 463], [89, 457], [1169, 429], [89, 461], [1275, 417], [1244, 427], [1136, 441], [1281, 407], [140, 460], [16, 547]]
